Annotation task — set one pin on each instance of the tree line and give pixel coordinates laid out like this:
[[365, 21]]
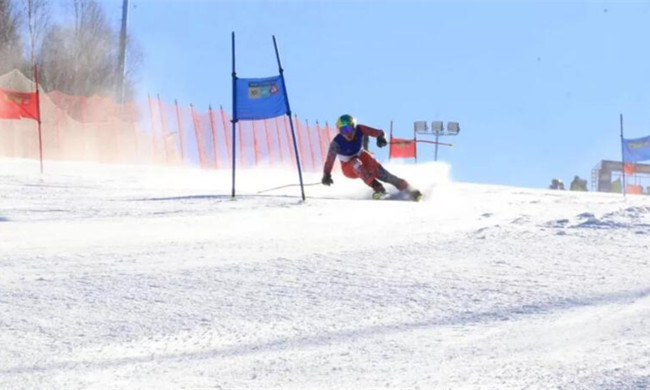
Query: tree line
[[77, 56]]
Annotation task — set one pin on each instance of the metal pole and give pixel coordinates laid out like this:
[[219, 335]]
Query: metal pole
[[623, 181], [415, 145], [38, 116], [436, 156], [234, 115], [293, 135], [390, 141], [122, 54]]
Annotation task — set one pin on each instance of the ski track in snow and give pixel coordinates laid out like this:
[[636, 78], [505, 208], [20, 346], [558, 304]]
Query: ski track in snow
[[130, 277]]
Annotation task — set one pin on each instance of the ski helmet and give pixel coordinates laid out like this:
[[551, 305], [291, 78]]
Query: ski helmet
[[346, 123]]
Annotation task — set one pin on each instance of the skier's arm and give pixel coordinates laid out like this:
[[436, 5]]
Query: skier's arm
[[380, 134], [331, 157], [371, 131]]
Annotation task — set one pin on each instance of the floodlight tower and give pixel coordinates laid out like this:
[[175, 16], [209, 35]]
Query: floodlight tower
[[122, 52], [438, 128]]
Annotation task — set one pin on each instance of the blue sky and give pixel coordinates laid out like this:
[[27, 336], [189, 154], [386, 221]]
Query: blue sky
[[537, 86]]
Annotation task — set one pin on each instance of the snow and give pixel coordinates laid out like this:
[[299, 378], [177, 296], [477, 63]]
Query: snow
[[131, 277]]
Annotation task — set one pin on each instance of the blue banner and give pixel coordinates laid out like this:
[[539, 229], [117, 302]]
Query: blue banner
[[637, 149], [260, 98]]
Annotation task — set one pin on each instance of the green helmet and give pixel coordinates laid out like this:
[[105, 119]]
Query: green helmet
[[346, 122]]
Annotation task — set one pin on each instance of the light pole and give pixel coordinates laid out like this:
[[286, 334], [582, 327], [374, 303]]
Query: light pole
[[453, 128], [438, 130], [122, 53]]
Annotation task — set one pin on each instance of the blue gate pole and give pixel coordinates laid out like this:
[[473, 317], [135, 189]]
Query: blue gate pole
[[293, 134], [234, 114]]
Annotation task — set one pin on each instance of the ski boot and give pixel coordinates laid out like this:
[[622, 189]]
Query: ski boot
[[380, 191], [415, 195], [377, 195]]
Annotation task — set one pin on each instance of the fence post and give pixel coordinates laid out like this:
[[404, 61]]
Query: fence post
[[268, 142], [180, 131], [321, 146], [199, 140], [214, 138], [163, 129], [277, 132], [225, 132], [256, 147], [286, 131]]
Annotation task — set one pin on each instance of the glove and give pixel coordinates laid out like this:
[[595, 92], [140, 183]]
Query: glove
[[381, 141], [327, 179]]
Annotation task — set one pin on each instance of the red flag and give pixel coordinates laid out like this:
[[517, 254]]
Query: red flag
[[402, 148], [17, 105], [629, 168]]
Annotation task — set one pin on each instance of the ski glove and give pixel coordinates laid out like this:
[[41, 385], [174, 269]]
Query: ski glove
[[327, 179], [381, 141]]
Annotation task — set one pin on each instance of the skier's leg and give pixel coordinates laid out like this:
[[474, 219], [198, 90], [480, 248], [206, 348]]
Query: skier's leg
[[400, 183], [357, 168], [348, 169], [385, 176], [380, 173]]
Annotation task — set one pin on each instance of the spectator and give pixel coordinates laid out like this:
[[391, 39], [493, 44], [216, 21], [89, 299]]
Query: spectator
[[578, 184], [556, 184]]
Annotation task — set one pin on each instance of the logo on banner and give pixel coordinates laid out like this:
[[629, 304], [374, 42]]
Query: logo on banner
[[19, 98], [402, 143], [258, 90], [638, 145]]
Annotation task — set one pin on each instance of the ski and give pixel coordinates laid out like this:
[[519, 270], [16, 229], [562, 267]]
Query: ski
[[414, 196]]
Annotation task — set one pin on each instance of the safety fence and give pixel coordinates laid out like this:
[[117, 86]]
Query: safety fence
[[205, 138], [97, 129]]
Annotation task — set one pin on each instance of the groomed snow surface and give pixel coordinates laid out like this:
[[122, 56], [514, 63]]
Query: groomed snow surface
[[126, 277]]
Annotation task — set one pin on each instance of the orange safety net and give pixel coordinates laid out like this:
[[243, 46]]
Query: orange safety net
[[265, 142], [634, 189], [98, 129]]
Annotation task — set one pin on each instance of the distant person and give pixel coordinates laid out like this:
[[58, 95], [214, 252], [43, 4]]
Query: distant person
[[578, 184], [556, 184], [358, 163]]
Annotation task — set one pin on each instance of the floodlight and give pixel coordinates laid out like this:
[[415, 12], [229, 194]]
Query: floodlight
[[438, 127], [420, 126], [453, 128]]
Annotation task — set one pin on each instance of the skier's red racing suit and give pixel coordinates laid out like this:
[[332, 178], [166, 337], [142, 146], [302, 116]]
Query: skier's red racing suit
[[356, 162]]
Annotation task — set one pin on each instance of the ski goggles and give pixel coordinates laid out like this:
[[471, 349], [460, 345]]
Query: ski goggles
[[347, 129]]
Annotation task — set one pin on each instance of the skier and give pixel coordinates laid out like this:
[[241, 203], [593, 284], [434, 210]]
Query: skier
[[356, 162]]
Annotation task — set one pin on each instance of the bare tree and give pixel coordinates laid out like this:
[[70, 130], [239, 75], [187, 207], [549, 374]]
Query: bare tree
[[134, 60], [57, 60], [10, 42], [37, 15], [82, 59]]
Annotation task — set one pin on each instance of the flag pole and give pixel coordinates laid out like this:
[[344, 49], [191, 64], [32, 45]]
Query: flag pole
[[293, 134], [415, 139], [234, 115], [623, 181], [390, 141], [38, 114]]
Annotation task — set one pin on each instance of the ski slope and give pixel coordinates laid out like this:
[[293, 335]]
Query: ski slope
[[153, 278]]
